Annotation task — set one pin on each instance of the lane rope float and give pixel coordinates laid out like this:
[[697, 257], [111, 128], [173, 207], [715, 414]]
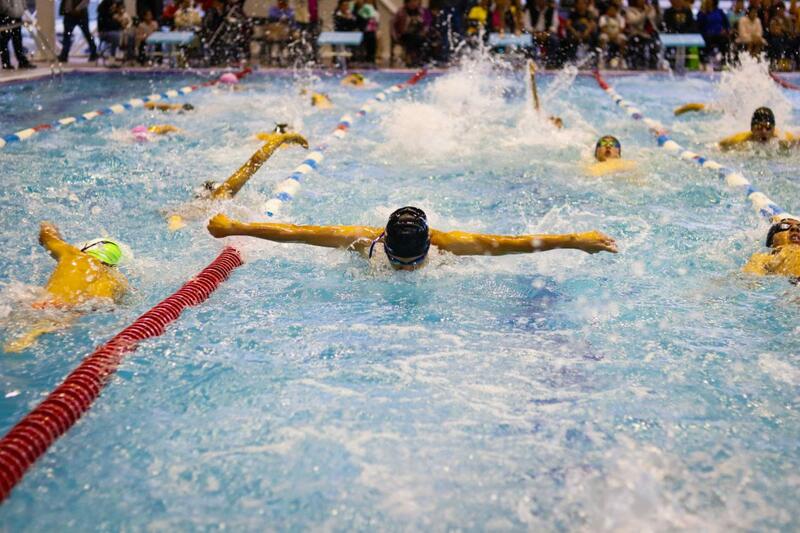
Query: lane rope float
[[783, 83], [32, 436], [733, 178], [287, 189], [115, 109]]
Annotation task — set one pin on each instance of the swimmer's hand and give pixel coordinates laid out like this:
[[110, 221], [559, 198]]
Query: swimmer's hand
[[592, 242], [220, 226], [48, 230], [292, 138], [556, 121], [175, 222]]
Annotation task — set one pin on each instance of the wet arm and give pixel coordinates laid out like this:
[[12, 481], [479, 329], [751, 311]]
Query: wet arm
[[358, 237], [734, 140], [462, 243], [50, 238], [237, 180]]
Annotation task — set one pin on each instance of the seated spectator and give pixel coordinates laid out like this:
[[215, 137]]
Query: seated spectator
[[11, 12], [146, 26], [737, 12], [544, 27], [612, 34], [410, 27], [368, 19], [713, 26], [477, 18], [507, 15], [343, 18], [780, 38], [678, 18], [187, 18], [751, 33], [640, 27], [168, 14], [794, 15], [581, 29], [108, 25], [281, 22]]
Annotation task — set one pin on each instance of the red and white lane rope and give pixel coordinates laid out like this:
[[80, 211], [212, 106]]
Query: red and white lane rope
[[30, 438]]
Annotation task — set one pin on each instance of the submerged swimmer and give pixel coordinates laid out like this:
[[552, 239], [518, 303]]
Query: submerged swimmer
[[144, 133], [762, 131], [784, 259], [225, 191], [180, 108], [82, 275], [407, 239], [354, 80], [608, 153], [321, 101]]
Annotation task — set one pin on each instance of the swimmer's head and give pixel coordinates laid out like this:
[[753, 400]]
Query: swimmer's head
[[787, 231], [282, 127], [106, 251], [187, 107], [354, 79], [607, 147], [406, 239], [762, 125], [229, 78], [205, 190]]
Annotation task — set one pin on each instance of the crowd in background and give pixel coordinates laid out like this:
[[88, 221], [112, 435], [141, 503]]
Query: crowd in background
[[605, 33]]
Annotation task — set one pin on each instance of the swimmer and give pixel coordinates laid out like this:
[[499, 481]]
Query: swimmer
[[280, 127], [784, 259], [608, 153], [694, 107], [211, 191], [144, 133], [180, 108], [354, 80], [83, 274], [556, 121], [407, 240], [321, 101], [762, 131]]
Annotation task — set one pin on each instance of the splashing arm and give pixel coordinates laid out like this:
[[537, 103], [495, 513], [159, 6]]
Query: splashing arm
[[693, 106], [50, 238], [735, 140], [462, 243], [238, 179], [355, 237]]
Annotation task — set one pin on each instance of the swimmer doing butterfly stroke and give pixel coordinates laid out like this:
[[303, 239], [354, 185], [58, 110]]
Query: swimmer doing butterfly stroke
[[407, 239]]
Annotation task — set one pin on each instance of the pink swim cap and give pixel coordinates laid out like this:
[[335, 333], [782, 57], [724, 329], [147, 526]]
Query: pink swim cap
[[140, 133], [139, 129], [229, 77]]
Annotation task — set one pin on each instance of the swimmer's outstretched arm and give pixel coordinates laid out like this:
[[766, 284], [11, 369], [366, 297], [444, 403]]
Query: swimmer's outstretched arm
[[735, 140], [462, 243], [354, 237], [694, 106], [50, 238], [237, 180]]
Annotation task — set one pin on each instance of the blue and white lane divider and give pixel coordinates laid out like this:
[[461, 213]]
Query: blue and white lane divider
[[287, 189], [115, 109], [734, 179]]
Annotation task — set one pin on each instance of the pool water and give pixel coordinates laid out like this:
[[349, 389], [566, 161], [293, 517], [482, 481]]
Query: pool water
[[657, 389]]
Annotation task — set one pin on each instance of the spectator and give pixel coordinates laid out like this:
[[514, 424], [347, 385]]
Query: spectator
[[794, 12], [168, 14], [678, 18], [410, 27], [11, 12], [780, 37], [581, 29], [507, 15], [76, 13], [146, 26], [612, 34], [343, 18], [213, 19], [368, 18], [108, 25], [477, 18], [737, 12], [713, 26], [187, 18], [544, 27], [640, 26], [751, 33], [153, 6]]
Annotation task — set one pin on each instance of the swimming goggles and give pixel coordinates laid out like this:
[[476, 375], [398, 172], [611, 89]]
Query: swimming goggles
[[784, 225], [608, 141]]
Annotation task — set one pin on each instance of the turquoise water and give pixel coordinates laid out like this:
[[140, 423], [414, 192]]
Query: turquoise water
[[654, 389]]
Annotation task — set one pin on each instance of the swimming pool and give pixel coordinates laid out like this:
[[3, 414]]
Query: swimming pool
[[659, 387]]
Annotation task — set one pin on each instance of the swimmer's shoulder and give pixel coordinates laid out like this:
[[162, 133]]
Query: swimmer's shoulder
[[611, 166]]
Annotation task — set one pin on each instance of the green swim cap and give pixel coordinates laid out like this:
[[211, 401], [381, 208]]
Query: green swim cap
[[104, 250]]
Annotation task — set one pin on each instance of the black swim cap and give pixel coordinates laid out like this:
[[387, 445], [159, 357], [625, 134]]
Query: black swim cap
[[781, 225], [188, 107], [407, 233], [763, 115]]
